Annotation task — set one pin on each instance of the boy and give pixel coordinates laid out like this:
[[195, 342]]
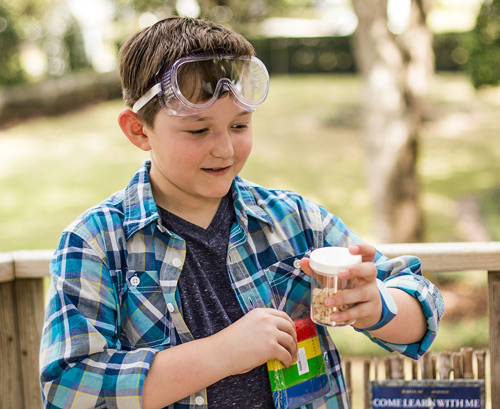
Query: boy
[[156, 293]]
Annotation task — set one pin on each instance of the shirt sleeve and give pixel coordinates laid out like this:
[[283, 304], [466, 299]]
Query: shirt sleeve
[[82, 364], [404, 273]]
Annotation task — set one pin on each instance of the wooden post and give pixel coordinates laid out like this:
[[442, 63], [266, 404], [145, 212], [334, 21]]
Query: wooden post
[[467, 362], [433, 362], [21, 320], [444, 365], [388, 369], [414, 369], [30, 312], [494, 319], [426, 368], [457, 365], [397, 367], [29, 268], [10, 374], [348, 378], [481, 360], [366, 383], [375, 368]]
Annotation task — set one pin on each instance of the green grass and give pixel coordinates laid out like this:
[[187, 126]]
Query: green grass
[[307, 138]]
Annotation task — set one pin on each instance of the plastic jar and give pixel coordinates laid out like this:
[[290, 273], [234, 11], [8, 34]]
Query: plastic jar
[[325, 263]]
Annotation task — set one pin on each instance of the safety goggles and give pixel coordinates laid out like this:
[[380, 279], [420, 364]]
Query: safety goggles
[[192, 84]]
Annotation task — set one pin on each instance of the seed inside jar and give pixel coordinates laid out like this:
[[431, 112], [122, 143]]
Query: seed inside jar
[[320, 312]]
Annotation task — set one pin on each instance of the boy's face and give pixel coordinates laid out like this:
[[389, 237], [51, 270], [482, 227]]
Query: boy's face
[[195, 158]]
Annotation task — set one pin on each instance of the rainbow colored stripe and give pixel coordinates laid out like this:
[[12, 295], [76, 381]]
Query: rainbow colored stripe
[[306, 379]]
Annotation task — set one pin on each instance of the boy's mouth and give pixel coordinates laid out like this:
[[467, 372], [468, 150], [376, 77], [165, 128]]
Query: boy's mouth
[[217, 171]]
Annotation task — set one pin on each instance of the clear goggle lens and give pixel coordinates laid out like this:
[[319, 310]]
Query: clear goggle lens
[[194, 83]]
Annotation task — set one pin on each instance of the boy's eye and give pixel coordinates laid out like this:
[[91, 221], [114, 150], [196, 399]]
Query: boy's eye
[[240, 126], [200, 131]]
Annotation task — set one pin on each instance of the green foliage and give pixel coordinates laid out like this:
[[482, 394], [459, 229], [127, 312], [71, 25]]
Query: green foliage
[[29, 22], [490, 206], [239, 14], [335, 54], [10, 65], [450, 51], [162, 8], [73, 42], [484, 46], [305, 55]]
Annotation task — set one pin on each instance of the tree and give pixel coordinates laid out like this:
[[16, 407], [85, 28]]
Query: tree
[[10, 64], [396, 70], [242, 15], [483, 64]]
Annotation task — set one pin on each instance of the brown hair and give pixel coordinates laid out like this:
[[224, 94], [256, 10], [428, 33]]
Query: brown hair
[[160, 45]]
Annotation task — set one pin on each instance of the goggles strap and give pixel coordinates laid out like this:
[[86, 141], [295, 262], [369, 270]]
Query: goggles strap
[[148, 96]]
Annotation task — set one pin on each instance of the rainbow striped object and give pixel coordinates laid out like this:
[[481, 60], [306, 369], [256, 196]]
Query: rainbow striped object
[[306, 379]]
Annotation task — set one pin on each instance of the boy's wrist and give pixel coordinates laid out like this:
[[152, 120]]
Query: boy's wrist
[[389, 308]]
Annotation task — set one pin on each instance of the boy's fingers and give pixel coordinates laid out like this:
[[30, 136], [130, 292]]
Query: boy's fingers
[[288, 350], [304, 265], [365, 270], [367, 251]]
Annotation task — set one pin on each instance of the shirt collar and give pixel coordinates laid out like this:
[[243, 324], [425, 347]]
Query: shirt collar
[[246, 202], [139, 205]]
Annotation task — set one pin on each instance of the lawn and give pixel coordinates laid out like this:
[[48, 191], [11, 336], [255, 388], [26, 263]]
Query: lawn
[[306, 138]]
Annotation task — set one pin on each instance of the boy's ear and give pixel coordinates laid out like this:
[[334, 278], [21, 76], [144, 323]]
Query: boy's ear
[[134, 128]]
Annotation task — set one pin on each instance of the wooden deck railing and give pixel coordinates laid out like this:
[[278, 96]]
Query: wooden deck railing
[[22, 309]]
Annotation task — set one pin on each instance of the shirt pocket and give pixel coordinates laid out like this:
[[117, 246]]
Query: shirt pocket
[[144, 317], [290, 287]]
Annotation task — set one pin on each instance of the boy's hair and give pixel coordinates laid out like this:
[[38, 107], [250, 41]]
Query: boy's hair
[[160, 45]]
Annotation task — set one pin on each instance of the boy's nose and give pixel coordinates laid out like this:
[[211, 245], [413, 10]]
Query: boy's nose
[[223, 146]]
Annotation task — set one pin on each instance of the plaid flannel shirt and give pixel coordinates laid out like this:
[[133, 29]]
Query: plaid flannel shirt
[[113, 301]]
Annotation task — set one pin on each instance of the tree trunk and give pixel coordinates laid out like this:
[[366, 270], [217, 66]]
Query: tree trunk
[[396, 71]]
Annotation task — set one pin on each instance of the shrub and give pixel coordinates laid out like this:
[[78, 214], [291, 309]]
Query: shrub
[[484, 46]]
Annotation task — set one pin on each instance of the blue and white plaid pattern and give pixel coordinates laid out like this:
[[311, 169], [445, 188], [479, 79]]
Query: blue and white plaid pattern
[[113, 301]]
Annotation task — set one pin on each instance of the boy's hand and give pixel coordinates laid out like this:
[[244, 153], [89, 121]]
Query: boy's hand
[[259, 336], [365, 295]]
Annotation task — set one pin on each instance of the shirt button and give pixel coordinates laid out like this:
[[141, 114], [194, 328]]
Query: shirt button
[[296, 263], [176, 262], [135, 281], [199, 400], [170, 307]]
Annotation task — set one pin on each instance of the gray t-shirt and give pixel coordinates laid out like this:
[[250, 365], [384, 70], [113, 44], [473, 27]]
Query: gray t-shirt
[[209, 303]]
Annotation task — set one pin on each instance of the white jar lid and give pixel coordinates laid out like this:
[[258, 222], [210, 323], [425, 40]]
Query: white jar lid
[[328, 260]]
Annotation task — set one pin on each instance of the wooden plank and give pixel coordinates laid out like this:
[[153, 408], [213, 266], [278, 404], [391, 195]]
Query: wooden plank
[[444, 365], [6, 267], [10, 373], [348, 378], [457, 365], [426, 368], [494, 320], [30, 313], [414, 369], [366, 383], [443, 257], [32, 263], [467, 362], [397, 367], [481, 364]]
